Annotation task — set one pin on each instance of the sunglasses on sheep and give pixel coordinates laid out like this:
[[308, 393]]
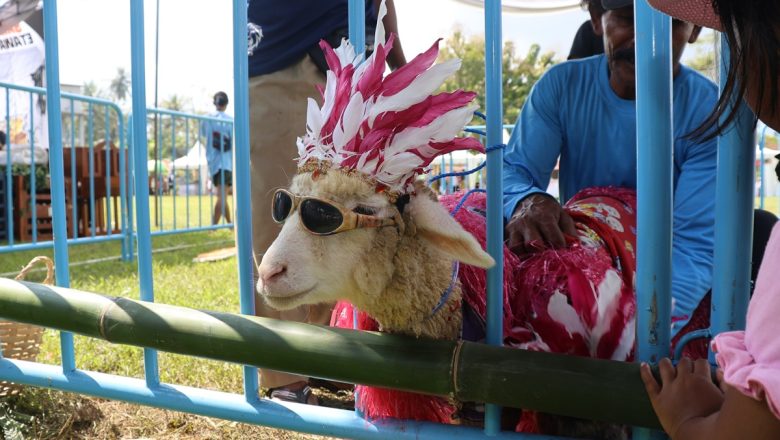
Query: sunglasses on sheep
[[321, 216]]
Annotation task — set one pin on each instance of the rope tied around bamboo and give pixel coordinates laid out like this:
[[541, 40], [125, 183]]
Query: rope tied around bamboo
[[19, 340]]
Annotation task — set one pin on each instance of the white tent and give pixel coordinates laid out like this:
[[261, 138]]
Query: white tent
[[194, 161]]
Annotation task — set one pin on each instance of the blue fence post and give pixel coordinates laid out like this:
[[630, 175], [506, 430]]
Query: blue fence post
[[243, 196], [33, 176], [357, 37], [123, 190], [734, 213], [9, 194], [654, 186], [56, 167], [142, 174], [495, 221]]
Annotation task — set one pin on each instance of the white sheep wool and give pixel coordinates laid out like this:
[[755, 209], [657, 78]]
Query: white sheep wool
[[387, 128]]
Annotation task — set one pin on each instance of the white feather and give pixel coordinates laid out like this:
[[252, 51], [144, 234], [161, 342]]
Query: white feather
[[329, 95], [379, 34], [443, 128], [345, 52], [350, 121], [313, 117], [563, 313], [420, 88]]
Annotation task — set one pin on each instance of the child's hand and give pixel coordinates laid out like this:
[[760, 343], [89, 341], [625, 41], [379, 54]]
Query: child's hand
[[687, 392]]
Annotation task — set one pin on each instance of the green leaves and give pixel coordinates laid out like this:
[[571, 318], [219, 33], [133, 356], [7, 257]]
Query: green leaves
[[519, 73]]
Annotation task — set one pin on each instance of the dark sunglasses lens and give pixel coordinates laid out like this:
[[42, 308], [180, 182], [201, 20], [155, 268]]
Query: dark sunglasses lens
[[320, 217], [281, 206]]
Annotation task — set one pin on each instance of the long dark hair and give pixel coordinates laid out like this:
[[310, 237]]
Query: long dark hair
[[751, 29]]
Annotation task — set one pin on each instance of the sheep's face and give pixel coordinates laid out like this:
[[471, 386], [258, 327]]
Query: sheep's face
[[303, 268]]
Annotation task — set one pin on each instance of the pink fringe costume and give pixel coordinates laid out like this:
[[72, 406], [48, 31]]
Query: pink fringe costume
[[579, 300], [750, 359]]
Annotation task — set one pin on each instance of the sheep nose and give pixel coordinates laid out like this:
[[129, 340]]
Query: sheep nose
[[270, 271]]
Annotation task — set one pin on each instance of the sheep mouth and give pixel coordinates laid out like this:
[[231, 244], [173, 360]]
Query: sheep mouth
[[284, 302]]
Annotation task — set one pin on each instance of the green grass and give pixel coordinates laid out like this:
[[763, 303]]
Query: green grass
[[200, 211], [178, 281]]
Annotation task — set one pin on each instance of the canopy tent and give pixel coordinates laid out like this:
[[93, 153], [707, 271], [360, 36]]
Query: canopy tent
[[531, 6], [193, 160]]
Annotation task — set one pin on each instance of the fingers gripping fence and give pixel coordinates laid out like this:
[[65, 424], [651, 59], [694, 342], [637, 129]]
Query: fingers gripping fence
[[572, 386]]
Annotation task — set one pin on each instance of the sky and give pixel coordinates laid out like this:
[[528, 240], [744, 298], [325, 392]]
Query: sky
[[195, 43], [195, 40]]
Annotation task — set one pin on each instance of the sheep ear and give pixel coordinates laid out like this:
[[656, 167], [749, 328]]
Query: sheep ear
[[437, 227]]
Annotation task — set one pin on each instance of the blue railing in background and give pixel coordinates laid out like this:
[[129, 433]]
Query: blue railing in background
[[95, 173], [180, 182]]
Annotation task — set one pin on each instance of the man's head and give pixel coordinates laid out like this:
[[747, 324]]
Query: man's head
[[617, 28], [221, 100]]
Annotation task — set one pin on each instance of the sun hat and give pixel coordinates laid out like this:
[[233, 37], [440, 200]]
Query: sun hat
[[698, 12]]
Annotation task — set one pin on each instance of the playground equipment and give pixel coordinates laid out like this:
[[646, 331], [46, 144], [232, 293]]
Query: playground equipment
[[172, 328]]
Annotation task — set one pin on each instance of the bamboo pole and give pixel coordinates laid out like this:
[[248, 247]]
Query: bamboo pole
[[567, 385]]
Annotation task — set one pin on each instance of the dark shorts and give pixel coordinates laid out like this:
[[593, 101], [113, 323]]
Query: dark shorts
[[216, 179]]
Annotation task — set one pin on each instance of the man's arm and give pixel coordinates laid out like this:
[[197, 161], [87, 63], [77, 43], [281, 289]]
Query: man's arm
[[534, 146], [694, 229], [535, 218], [396, 56]]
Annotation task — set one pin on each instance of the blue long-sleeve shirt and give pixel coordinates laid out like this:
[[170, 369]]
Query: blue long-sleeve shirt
[[573, 114], [217, 160]]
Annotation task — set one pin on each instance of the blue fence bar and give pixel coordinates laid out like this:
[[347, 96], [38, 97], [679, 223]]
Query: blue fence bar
[[171, 123], [734, 195], [654, 185], [142, 174], [246, 284], [495, 221], [305, 418], [56, 168], [30, 228]]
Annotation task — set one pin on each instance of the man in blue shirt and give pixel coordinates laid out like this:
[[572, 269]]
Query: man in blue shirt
[[285, 66], [219, 155], [583, 111]]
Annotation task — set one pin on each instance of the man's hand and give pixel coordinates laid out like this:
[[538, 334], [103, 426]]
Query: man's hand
[[686, 393], [539, 222]]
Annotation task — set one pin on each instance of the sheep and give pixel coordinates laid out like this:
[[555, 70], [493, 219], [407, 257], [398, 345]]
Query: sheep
[[390, 247]]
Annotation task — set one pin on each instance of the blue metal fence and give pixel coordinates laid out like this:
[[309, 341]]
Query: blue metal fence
[[181, 186], [654, 133], [98, 174], [97, 199]]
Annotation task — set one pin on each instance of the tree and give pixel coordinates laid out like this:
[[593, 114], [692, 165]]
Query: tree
[[519, 74], [172, 138], [120, 85], [704, 60]]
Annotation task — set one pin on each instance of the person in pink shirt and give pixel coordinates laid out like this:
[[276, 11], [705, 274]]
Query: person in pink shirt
[[747, 403]]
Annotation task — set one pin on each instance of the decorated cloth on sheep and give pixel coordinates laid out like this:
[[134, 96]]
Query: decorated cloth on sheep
[[579, 300]]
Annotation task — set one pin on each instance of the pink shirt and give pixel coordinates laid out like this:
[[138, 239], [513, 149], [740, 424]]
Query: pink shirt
[[750, 359]]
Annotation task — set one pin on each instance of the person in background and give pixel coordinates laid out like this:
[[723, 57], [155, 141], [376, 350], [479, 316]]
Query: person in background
[[746, 405], [588, 39], [583, 112], [219, 155], [285, 66]]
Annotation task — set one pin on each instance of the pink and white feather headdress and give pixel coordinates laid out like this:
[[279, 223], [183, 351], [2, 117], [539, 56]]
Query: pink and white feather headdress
[[387, 128]]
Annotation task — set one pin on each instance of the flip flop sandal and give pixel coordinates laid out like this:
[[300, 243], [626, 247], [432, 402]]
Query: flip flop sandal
[[303, 395]]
